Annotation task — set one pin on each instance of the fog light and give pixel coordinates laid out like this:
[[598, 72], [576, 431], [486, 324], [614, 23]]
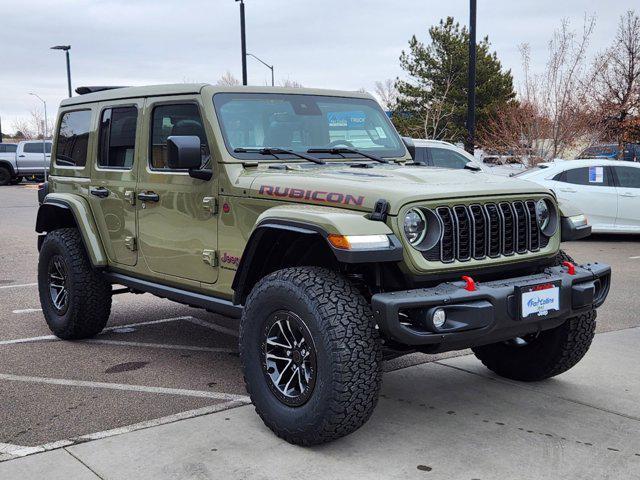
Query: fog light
[[438, 318]]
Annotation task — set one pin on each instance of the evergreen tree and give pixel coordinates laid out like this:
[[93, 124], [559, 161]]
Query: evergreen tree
[[432, 102]]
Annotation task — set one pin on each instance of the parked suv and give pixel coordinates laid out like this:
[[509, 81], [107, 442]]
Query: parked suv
[[302, 213], [28, 159]]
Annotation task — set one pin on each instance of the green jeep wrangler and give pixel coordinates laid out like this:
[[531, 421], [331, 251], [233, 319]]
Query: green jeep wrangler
[[302, 213]]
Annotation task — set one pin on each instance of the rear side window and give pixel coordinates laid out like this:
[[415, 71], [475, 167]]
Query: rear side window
[[36, 147], [628, 177], [118, 137], [445, 158], [8, 148], [174, 120], [73, 138], [596, 176]]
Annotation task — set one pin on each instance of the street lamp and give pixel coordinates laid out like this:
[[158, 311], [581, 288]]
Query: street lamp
[[266, 65], [243, 43], [44, 133], [471, 89], [66, 49]]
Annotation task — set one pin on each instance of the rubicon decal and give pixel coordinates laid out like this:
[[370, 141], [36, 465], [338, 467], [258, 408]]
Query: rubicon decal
[[315, 195]]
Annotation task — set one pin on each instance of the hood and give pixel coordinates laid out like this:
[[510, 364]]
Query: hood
[[360, 188]]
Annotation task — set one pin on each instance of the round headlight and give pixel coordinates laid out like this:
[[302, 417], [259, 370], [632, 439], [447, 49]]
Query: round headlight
[[543, 215], [415, 226]]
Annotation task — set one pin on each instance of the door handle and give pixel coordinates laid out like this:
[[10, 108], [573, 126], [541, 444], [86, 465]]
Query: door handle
[[99, 192], [148, 197], [569, 190], [627, 194], [21, 156]]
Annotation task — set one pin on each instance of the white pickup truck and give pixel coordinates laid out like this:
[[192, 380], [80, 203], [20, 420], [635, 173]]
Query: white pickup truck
[[25, 160]]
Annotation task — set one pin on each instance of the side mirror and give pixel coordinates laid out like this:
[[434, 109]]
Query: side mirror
[[408, 142], [183, 152]]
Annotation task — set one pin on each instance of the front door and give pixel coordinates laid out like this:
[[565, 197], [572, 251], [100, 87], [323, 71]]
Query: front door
[[114, 177], [628, 181], [592, 190], [176, 222]]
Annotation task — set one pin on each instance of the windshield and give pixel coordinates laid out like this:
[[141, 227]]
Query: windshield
[[303, 122]]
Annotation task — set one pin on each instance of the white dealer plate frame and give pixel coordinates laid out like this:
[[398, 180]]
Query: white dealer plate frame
[[539, 300]]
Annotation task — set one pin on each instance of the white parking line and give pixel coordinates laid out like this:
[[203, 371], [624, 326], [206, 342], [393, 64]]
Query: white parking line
[[214, 326], [125, 387], [18, 286], [28, 310], [108, 329], [635, 257], [162, 345], [15, 451]]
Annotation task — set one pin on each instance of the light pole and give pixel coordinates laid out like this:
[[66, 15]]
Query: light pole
[[266, 65], [471, 93], [44, 133], [243, 43], [66, 49]]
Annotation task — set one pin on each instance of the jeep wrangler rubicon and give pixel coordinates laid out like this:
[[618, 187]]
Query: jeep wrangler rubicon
[[302, 213]]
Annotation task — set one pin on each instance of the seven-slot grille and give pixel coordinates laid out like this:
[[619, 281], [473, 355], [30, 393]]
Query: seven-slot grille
[[486, 230]]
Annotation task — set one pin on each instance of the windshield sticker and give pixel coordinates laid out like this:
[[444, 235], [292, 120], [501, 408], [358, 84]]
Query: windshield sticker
[[596, 174], [315, 195], [346, 119]]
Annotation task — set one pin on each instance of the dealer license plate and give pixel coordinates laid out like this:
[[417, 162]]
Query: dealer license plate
[[539, 300]]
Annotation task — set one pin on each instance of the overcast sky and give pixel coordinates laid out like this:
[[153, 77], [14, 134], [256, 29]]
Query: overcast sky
[[344, 44]]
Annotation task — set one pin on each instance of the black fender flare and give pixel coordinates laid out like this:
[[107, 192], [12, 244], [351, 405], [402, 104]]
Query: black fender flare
[[392, 254]]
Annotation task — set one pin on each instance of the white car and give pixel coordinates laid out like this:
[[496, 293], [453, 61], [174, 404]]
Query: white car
[[607, 191], [442, 154]]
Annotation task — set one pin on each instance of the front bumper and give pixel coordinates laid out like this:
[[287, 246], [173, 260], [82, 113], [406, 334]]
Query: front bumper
[[490, 313]]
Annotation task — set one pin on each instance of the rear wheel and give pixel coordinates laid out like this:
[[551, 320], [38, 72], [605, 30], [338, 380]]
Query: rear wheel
[[5, 176], [75, 299], [310, 355]]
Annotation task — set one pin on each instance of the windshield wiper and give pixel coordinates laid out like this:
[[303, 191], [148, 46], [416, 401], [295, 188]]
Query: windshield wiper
[[341, 150], [279, 151]]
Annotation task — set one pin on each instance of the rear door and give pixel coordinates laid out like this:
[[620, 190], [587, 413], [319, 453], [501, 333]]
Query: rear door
[[176, 222], [591, 189], [32, 159], [114, 176], [628, 183]]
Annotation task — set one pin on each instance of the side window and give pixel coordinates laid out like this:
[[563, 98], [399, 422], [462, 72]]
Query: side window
[[560, 177], [117, 137], [173, 120], [73, 138], [36, 147], [3, 149], [596, 176], [445, 158], [12, 148], [421, 155], [628, 177]]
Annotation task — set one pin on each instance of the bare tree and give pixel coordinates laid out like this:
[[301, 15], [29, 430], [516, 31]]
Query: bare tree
[[387, 94], [555, 111], [33, 126], [228, 80], [290, 83], [617, 80]]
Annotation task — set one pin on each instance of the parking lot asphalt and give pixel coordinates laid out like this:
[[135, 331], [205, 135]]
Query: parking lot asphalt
[[158, 361]]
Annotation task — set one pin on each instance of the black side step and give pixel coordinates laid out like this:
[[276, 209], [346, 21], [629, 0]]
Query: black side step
[[199, 300]]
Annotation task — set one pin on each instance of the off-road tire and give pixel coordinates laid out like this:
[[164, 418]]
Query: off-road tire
[[5, 176], [553, 352], [348, 354], [89, 294]]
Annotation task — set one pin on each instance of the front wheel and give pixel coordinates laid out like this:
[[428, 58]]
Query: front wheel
[[310, 354], [550, 353], [75, 298]]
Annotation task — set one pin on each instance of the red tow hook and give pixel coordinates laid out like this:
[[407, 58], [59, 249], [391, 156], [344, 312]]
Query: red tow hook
[[571, 268], [471, 284]]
